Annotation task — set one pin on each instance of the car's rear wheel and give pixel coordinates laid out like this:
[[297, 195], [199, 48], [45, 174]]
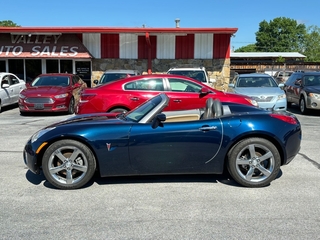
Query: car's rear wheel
[[119, 110], [68, 164], [254, 162], [302, 106], [71, 106]]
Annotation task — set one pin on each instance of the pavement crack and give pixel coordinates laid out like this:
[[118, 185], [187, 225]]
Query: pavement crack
[[310, 160]]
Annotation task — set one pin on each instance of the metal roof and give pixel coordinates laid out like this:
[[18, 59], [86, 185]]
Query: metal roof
[[266, 55], [177, 30]]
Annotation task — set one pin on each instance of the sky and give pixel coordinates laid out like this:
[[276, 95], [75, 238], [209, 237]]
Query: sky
[[245, 15]]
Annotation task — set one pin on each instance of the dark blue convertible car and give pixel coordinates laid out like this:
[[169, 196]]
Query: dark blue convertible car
[[249, 142]]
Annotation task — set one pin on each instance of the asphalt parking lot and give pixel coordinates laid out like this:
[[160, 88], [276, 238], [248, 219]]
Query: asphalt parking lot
[[176, 207]]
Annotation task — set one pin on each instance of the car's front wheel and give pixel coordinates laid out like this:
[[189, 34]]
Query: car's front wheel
[[254, 162], [68, 164], [71, 106], [302, 106]]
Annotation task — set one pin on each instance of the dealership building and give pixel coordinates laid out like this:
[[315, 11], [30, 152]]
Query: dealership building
[[89, 51]]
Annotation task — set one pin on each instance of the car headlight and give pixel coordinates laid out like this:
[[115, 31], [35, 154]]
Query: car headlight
[[21, 95], [315, 95], [282, 96], [40, 133], [252, 101], [64, 95]]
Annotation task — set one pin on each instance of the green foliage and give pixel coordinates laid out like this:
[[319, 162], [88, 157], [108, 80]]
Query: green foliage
[[280, 35], [8, 23], [248, 48], [312, 44]]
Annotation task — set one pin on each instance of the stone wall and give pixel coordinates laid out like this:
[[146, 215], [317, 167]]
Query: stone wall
[[219, 69]]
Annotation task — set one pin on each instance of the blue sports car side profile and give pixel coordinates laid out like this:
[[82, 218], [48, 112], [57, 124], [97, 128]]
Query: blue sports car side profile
[[250, 143]]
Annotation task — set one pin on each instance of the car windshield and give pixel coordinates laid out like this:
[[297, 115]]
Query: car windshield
[[312, 80], [195, 74], [138, 113], [50, 81], [256, 82], [109, 77]]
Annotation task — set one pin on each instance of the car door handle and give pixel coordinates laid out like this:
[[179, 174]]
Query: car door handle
[[134, 99], [208, 128], [176, 100]]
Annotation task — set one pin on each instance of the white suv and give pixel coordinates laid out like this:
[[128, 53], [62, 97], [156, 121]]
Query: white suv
[[197, 73], [112, 75]]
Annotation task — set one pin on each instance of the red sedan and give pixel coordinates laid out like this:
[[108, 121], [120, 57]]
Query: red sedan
[[126, 94], [53, 92]]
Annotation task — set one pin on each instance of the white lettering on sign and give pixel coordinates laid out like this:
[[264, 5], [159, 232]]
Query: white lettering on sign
[[17, 50], [6, 50], [38, 39], [52, 52]]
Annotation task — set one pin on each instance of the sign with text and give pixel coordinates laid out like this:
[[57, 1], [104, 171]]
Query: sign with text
[[42, 46]]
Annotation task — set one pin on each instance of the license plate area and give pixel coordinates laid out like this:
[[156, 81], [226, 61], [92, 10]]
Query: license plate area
[[38, 106]]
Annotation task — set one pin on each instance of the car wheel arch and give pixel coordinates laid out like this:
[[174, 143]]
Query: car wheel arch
[[257, 135], [120, 107], [74, 138]]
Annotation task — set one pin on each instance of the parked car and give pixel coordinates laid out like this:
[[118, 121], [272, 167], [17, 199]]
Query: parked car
[[52, 92], [282, 76], [126, 94], [112, 75], [11, 86], [262, 88], [198, 73], [303, 89], [252, 143]]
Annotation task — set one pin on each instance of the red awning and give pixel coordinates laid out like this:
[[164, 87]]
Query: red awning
[[42, 46]]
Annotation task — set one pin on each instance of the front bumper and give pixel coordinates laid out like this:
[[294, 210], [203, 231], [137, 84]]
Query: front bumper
[[30, 158], [313, 103], [58, 105], [280, 105]]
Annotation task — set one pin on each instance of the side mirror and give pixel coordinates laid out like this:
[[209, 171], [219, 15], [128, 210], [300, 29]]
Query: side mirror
[[204, 90], [281, 85], [297, 82], [5, 85], [231, 85], [96, 81], [158, 120], [212, 80]]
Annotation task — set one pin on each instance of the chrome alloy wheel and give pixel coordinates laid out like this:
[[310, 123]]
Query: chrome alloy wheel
[[68, 165], [255, 163]]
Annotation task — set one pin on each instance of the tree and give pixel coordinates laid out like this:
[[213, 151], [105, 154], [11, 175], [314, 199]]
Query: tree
[[247, 48], [312, 44], [8, 23], [280, 35]]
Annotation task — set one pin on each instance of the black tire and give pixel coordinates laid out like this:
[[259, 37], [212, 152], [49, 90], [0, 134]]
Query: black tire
[[288, 104], [302, 106], [71, 106], [254, 162], [68, 164], [119, 110]]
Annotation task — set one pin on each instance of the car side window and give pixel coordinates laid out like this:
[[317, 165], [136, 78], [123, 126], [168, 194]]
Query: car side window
[[152, 84], [6, 80], [181, 85], [294, 77], [14, 80]]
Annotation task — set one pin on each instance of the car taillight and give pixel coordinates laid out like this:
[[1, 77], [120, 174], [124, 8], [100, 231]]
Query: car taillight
[[85, 97], [285, 118]]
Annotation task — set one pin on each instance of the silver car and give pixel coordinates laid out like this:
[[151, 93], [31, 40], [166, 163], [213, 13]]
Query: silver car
[[10, 87], [262, 88]]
